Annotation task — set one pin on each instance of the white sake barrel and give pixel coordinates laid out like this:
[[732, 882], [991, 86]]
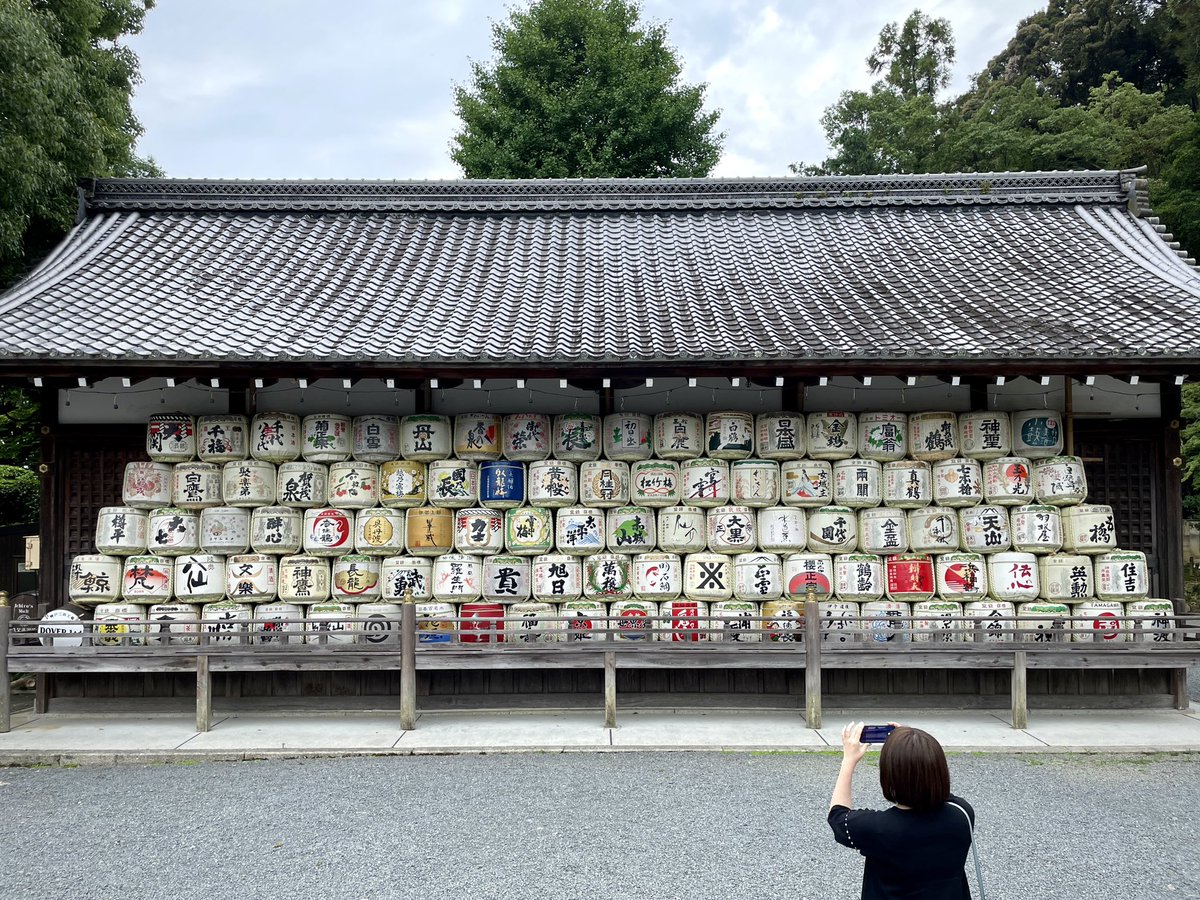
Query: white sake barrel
[[910, 577], [553, 483], [428, 531], [356, 578], [1044, 620], [483, 623], [933, 436], [501, 484], [657, 576], [708, 576], [933, 529], [147, 579], [250, 482], [1008, 481], [453, 483], [1060, 481], [225, 530], [326, 437], [280, 623], [783, 621], [579, 530], [782, 529], [586, 620], [122, 530], [632, 619], [1013, 577], [301, 484], [731, 529], [179, 621], [729, 434], [857, 483], [839, 622], [576, 437], [171, 437], [984, 434], [882, 530], [961, 576], [479, 531], [984, 529], [529, 530], [859, 577], [678, 435], [655, 482], [506, 579], [334, 623], [526, 436], [478, 436], [304, 579], [1066, 577], [251, 577], [630, 529], [734, 621], [1122, 575], [804, 570], [607, 576], [883, 436], [1103, 622], [457, 577], [907, 484], [172, 531], [402, 482], [275, 437], [277, 530], [61, 628], [1156, 618], [531, 623], [118, 625], [885, 623], [957, 482], [682, 529], [806, 482], [199, 578], [328, 532], [353, 485], [147, 484], [754, 482], [222, 439], [992, 616], [604, 483], [683, 621], [628, 436], [757, 577], [832, 529], [95, 578], [1036, 529], [779, 435], [705, 482], [1037, 433], [225, 622], [196, 485], [401, 574], [375, 438], [379, 532], [832, 435], [934, 621], [425, 437], [435, 623], [557, 578]]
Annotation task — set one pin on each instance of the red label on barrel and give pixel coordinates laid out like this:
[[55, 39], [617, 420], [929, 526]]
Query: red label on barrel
[[1106, 622], [910, 576], [477, 627], [685, 618], [800, 582]]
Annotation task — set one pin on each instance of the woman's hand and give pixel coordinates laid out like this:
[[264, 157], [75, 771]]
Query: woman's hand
[[853, 749]]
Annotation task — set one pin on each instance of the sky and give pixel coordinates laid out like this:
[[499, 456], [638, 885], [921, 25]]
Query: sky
[[362, 89]]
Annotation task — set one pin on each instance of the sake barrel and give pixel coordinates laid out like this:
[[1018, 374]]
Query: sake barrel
[[961, 576], [984, 529], [147, 579], [657, 576], [199, 578], [379, 623], [933, 621], [857, 483], [705, 482], [553, 483], [453, 483], [883, 436], [806, 483], [734, 621], [532, 623], [933, 529], [483, 623], [250, 482], [632, 619], [683, 621], [907, 484], [176, 623], [804, 570], [526, 436], [1013, 577], [832, 435], [839, 622], [882, 530], [859, 577], [1155, 618], [630, 529], [933, 436], [678, 436], [731, 529], [628, 436], [457, 577], [783, 621], [782, 529], [757, 577], [251, 577], [707, 576], [478, 436], [1037, 433], [401, 574], [655, 482], [379, 532], [375, 438], [225, 622], [222, 439], [1008, 481], [579, 530], [425, 437], [171, 437], [279, 623], [506, 579], [1101, 622], [328, 532], [435, 623], [604, 483], [984, 434], [1036, 529], [121, 530], [304, 579], [326, 437], [682, 529], [146, 484], [1043, 620], [910, 577], [355, 485], [992, 620], [1066, 577], [356, 578], [478, 531], [528, 531], [1060, 481], [754, 482], [61, 628], [729, 434], [276, 529], [779, 435], [832, 529], [1122, 575], [501, 484], [606, 576], [118, 625], [275, 437], [957, 482], [334, 623], [885, 621], [225, 530], [557, 578], [576, 437], [196, 485], [172, 531], [429, 531]]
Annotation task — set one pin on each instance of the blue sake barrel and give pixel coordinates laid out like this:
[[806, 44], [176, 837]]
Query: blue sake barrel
[[501, 484]]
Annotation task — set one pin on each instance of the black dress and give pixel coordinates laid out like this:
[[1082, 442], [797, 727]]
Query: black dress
[[910, 855]]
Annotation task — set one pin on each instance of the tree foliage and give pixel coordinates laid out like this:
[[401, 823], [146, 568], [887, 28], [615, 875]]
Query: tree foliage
[[916, 55], [582, 88], [19, 493]]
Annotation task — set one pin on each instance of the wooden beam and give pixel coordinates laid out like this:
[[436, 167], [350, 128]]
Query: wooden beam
[[812, 660], [1020, 692], [203, 694], [408, 663], [5, 678], [610, 689]]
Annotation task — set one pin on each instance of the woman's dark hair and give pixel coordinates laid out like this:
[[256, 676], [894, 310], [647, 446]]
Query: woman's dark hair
[[913, 770]]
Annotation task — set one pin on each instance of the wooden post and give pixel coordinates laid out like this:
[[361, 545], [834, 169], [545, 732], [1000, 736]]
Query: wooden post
[[1020, 692], [610, 689], [5, 678], [812, 659], [1179, 689], [203, 694], [408, 663]]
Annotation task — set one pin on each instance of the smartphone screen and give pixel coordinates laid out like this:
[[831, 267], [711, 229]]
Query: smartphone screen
[[876, 734]]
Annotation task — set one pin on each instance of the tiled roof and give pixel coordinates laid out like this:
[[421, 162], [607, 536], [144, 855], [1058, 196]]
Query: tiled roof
[[1048, 266]]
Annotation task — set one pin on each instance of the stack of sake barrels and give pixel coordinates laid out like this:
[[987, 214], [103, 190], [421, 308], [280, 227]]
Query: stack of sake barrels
[[715, 526]]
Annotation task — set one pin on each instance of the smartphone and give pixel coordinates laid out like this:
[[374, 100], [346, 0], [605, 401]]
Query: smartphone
[[876, 734]]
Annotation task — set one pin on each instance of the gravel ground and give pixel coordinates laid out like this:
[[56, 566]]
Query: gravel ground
[[694, 825]]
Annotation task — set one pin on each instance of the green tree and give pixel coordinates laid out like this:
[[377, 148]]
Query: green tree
[[581, 88], [19, 492], [917, 55], [1176, 198]]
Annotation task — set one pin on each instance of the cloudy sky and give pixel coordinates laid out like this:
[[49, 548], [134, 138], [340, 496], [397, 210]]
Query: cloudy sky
[[362, 88]]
